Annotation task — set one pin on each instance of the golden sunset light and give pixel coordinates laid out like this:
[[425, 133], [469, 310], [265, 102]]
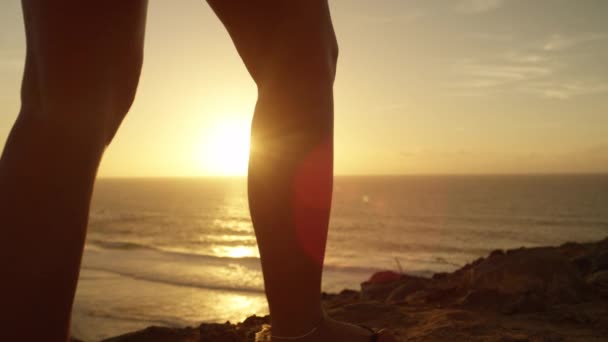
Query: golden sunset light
[[236, 251], [412, 102], [304, 170], [225, 150]]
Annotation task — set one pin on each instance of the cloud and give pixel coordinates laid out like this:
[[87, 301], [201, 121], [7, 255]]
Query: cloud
[[478, 6], [526, 57], [478, 77], [566, 90], [559, 42], [506, 73], [529, 74], [553, 67], [489, 37]]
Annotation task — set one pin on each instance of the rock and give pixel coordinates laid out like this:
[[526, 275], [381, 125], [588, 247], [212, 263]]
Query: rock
[[417, 298], [482, 299], [380, 285], [345, 297], [599, 281], [492, 300], [441, 294], [255, 321], [384, 277], [221, 333], [583, 264], [406, 287], [364, 312], [159, 334], [514, 338], [541, 271], [572, 317], [379, 292], [440, 276], [529, 302], [600, 262], [251, 326], [496, 253]]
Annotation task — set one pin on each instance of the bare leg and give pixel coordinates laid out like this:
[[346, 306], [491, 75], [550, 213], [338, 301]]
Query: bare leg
[[289, 47], [82, 68]]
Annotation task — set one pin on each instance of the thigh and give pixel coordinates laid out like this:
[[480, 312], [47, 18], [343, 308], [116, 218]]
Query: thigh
[[273, 33], [79, 49]]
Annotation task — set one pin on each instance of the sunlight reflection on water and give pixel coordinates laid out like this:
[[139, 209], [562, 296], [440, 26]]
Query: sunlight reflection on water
[[97, 316], [235, 251]]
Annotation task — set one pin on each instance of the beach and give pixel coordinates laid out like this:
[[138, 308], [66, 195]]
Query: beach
[[527, 294]]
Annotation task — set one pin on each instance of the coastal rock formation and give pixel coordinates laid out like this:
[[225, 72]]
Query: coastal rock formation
[[526, 294]]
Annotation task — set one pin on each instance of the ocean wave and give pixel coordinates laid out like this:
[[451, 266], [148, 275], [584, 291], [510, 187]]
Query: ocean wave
[[119, 244], [110, 216], [129, 245], [480, 221], [254, 262], [431, 247], [175, 280], [172, 322], [563, 221]]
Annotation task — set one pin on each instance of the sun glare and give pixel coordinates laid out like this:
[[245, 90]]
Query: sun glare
[[227, 148], [235, 251]]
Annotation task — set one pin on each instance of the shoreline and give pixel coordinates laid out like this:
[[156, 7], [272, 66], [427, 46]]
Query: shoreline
[[525, 294]]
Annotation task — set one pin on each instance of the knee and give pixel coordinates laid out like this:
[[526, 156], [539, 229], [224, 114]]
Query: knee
[[313, 59], [83, 64], [122, 89], [90, 102], [300, 56], [303, 71], [321, 59]]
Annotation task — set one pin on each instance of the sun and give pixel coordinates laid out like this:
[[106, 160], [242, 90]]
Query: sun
[[226, 149]]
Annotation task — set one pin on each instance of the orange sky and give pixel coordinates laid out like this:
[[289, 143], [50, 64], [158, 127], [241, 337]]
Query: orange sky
[[464, 86]]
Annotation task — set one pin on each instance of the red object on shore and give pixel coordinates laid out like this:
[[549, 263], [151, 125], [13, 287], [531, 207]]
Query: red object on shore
[[383, 277]]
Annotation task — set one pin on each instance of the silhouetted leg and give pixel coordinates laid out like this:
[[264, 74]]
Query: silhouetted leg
[[289, 47], [82, 68]]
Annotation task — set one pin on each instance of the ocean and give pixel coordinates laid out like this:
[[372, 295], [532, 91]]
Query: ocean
[[178, 252]]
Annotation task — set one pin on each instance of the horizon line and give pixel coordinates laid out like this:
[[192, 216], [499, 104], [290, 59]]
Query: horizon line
[[479, 174]]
